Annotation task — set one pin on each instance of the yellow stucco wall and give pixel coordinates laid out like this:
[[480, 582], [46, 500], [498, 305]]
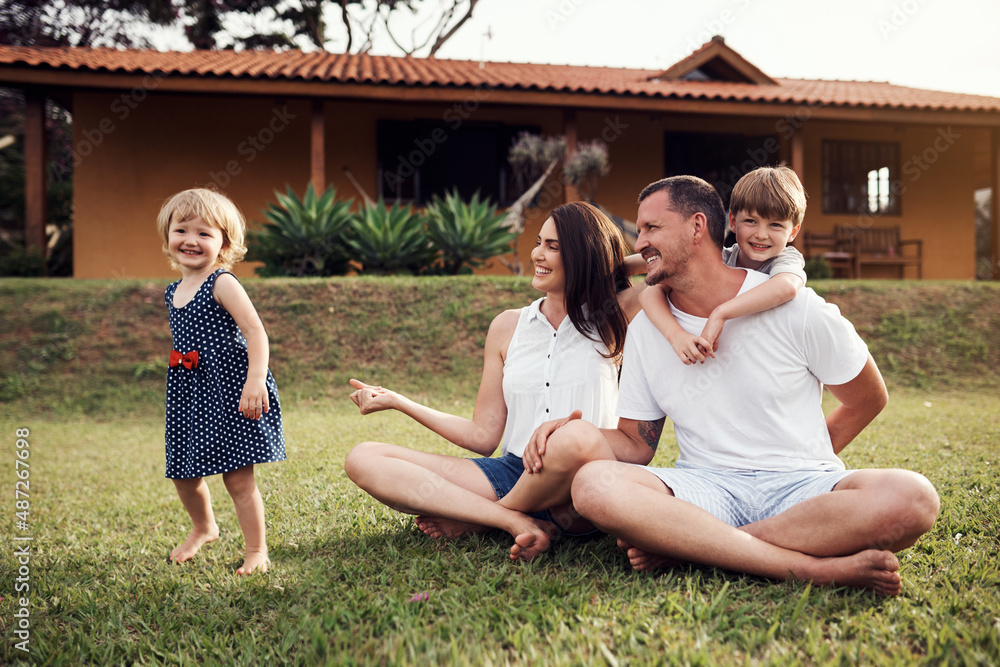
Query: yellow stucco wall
[[131, 158], [133, 154], [936, 186]]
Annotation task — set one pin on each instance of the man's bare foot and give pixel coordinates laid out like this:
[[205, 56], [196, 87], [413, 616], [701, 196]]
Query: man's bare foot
[[189, 547], [255, 561], [533, 539], [645, 561], [874, 570], [437, 527]]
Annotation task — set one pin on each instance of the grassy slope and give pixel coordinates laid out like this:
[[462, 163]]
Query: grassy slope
[[103, 517], [100, 347]]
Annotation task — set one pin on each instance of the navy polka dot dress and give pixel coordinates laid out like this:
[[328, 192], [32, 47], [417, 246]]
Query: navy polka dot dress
[[205, 433]]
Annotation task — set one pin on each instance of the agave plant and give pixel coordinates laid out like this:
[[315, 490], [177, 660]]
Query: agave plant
[[390, 240], [303, 237], [467, 233]]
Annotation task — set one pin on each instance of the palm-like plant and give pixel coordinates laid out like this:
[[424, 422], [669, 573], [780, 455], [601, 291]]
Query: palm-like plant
[[467, 232], [390, 240], [303, 237]]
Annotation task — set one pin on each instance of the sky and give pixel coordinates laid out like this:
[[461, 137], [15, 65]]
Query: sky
[[949, 45]]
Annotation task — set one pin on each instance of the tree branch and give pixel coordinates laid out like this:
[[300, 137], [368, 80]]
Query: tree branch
[[346, 18], [441, 40]]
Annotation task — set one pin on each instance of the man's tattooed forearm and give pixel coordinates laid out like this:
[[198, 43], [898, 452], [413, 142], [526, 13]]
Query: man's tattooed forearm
[[650, 432]]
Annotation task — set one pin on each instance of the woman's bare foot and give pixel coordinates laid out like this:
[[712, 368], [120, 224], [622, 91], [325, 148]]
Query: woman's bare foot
[[533, 539], [874, 570], [189, 547], [645, 561], [438, 527], [255, 561]]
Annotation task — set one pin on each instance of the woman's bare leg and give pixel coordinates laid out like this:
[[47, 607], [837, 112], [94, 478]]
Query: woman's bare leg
[[433, 485]]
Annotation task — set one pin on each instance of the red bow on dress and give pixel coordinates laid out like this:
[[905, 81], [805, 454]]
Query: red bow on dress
[[189, 360]]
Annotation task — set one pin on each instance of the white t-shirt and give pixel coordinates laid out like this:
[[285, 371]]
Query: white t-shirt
[[549, 372], [756, 406]]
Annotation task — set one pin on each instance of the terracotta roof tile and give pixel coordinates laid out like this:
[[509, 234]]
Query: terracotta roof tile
[[417, 72]]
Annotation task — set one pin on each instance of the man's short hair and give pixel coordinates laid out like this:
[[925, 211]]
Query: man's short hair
[[774, 193], [690, 195]]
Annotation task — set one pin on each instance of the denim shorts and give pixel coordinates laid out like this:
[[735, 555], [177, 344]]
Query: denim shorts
[[503, 473], [745, 496]]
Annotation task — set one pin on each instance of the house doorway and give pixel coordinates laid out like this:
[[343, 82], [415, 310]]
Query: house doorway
[[719, 158]]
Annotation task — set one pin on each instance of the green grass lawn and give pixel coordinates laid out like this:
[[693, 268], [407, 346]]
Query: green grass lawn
[[103, 519], [82, 366]]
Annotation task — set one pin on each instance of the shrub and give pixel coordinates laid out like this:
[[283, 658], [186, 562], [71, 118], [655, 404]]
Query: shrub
[[390, 240], [817, 268], [16, 260], [303, 237], [467, 233]]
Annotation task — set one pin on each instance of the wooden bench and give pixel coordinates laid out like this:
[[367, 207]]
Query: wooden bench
[[878, 246], [819, 244]]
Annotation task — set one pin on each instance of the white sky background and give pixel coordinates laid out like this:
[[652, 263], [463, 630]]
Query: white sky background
[[950, 45]]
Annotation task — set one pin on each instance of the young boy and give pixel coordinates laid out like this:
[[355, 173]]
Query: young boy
[[765, 212]]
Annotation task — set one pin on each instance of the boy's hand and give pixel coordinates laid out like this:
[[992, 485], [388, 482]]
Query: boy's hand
[[691, 348], [712, 330], [253, 400], [370, 398]]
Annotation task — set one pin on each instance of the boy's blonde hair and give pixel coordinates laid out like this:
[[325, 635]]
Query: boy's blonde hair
[[771, 192], [216, 210]]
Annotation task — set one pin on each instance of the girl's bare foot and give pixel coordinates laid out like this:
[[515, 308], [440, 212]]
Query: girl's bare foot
[[189, 547], [436, 527], [255, 561], [645, 561]]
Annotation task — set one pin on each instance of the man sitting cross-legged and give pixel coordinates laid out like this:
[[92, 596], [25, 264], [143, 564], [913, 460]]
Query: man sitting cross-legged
[[758, 487]]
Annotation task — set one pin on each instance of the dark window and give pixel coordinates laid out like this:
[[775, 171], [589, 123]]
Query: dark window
[[859, 177], [720, 159], [419, 159]]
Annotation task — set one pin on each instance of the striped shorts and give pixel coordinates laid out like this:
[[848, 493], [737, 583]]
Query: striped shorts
[[739, 497]]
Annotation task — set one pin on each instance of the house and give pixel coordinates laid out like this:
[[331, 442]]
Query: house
[[148, 123]]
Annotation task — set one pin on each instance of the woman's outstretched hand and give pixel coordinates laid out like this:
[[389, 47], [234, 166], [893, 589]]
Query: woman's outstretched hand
[[370, 398]]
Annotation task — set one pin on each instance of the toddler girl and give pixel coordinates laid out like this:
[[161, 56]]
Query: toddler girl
[[223, 414]]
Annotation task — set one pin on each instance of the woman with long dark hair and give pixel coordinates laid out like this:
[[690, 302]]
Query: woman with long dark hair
[[542, 362]]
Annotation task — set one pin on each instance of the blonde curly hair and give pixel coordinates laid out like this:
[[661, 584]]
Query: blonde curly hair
[[215, 209]]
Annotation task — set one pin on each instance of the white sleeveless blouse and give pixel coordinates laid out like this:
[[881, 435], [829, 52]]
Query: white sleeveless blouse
[[549, 372]]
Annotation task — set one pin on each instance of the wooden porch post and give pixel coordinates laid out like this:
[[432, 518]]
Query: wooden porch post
[[799, 155], [35, 213], [317, 147], [569, 133], [995, 204]]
